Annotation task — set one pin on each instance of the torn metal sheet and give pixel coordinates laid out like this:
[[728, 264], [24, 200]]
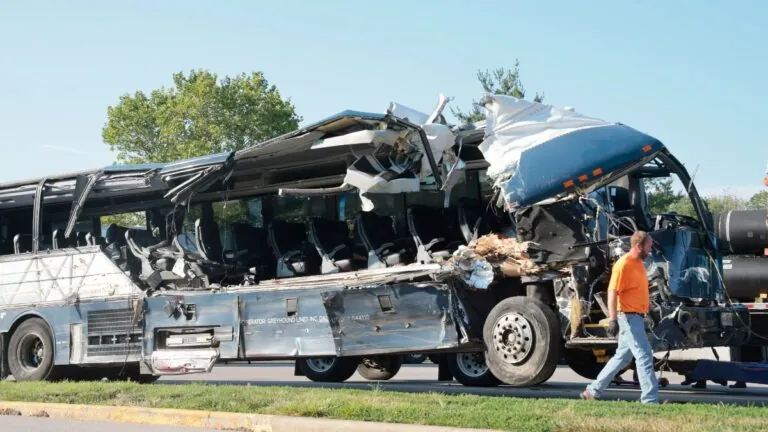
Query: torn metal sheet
[[537, 151], [350, 279], [178, 362], [391, 318], [396, 152]]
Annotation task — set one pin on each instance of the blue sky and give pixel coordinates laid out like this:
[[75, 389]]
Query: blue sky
[[689, 72]]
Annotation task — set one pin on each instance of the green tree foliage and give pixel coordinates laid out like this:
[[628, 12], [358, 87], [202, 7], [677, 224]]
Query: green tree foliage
[[500, 81], [758, 201], [661, 195], [130, 220], [716, 204], [663, 198], [199, 115]]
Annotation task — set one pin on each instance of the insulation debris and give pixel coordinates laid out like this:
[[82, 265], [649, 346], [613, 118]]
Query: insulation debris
[[483, 258], [495, 247]]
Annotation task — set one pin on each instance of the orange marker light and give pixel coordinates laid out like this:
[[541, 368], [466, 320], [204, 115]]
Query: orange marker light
[[597, 172], [647, 148], [583, 178], [568, 184]]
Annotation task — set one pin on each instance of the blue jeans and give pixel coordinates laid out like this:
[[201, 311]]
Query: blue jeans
[[633, 342]]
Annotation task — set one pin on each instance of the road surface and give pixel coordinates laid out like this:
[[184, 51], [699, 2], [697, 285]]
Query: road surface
[[423, 378]]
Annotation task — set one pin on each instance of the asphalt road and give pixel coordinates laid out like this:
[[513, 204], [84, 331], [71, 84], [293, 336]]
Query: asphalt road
[[423, 378]]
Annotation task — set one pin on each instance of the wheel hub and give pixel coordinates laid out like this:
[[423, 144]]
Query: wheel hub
[[321, 364], [472, 364], [31, 352], [513, 338]]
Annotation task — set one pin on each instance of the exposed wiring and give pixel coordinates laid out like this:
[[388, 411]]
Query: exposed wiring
[[616, 222]]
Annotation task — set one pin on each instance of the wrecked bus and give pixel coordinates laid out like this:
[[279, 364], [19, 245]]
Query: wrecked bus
[[353, 241]]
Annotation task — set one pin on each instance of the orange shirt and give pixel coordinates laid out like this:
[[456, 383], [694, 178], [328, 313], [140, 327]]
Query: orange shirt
[[630, 282]]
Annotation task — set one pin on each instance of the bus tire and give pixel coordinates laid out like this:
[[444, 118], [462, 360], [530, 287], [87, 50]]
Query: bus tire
[[380, 368], [523, 341], [470, 369], [414, 358], [328, 369], [31, 351]]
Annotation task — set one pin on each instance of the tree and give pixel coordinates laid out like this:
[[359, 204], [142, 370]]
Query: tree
[[500, 81], [661, 195], [758, 201], [200, 115], [725, 202], [716, 204]]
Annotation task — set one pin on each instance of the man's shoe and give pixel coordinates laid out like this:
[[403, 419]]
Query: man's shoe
[[587, 395]]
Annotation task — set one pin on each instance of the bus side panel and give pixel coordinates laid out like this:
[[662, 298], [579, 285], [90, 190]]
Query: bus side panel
[[286, 323], [106, 332], [392, 318], [175, 313], [88, 333], [389, 318]]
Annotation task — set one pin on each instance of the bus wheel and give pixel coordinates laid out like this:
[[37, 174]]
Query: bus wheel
[[30, 351], [523, 342], [470, 369], [328, 369], [414, 358], [379, 368]]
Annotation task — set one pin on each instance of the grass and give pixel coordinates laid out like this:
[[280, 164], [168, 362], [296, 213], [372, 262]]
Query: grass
[[503, 413]]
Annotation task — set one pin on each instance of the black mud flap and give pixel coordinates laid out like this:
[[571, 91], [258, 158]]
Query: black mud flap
[[443, 370], [4, 371]]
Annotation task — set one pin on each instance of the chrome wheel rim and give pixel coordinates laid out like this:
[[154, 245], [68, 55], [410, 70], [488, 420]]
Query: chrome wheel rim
[[321, 365], [513, 338], [472, 364]]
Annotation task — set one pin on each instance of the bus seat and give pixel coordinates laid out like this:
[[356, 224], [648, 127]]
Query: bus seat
[[472, 220], [208, 242], [295, 256], [22, 243], [115, 234], [382, 243], [93, 240], [332, 241], [80, 239], [59, 241], [253, 249], [433, 232]]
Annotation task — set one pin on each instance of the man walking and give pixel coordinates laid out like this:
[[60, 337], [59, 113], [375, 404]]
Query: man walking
[[628, 300]]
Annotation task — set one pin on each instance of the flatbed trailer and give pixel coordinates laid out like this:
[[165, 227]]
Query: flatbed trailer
[[502, 277]]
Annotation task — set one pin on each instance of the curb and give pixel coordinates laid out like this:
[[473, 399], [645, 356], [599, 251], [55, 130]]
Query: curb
[[208, 419]]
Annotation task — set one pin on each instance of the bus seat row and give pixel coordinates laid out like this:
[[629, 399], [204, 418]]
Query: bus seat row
[[323, 246], [22, 243]]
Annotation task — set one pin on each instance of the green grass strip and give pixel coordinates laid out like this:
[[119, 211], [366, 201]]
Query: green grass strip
[[471, 411]]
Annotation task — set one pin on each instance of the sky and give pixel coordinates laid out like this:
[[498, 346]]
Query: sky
[[690, 73]]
